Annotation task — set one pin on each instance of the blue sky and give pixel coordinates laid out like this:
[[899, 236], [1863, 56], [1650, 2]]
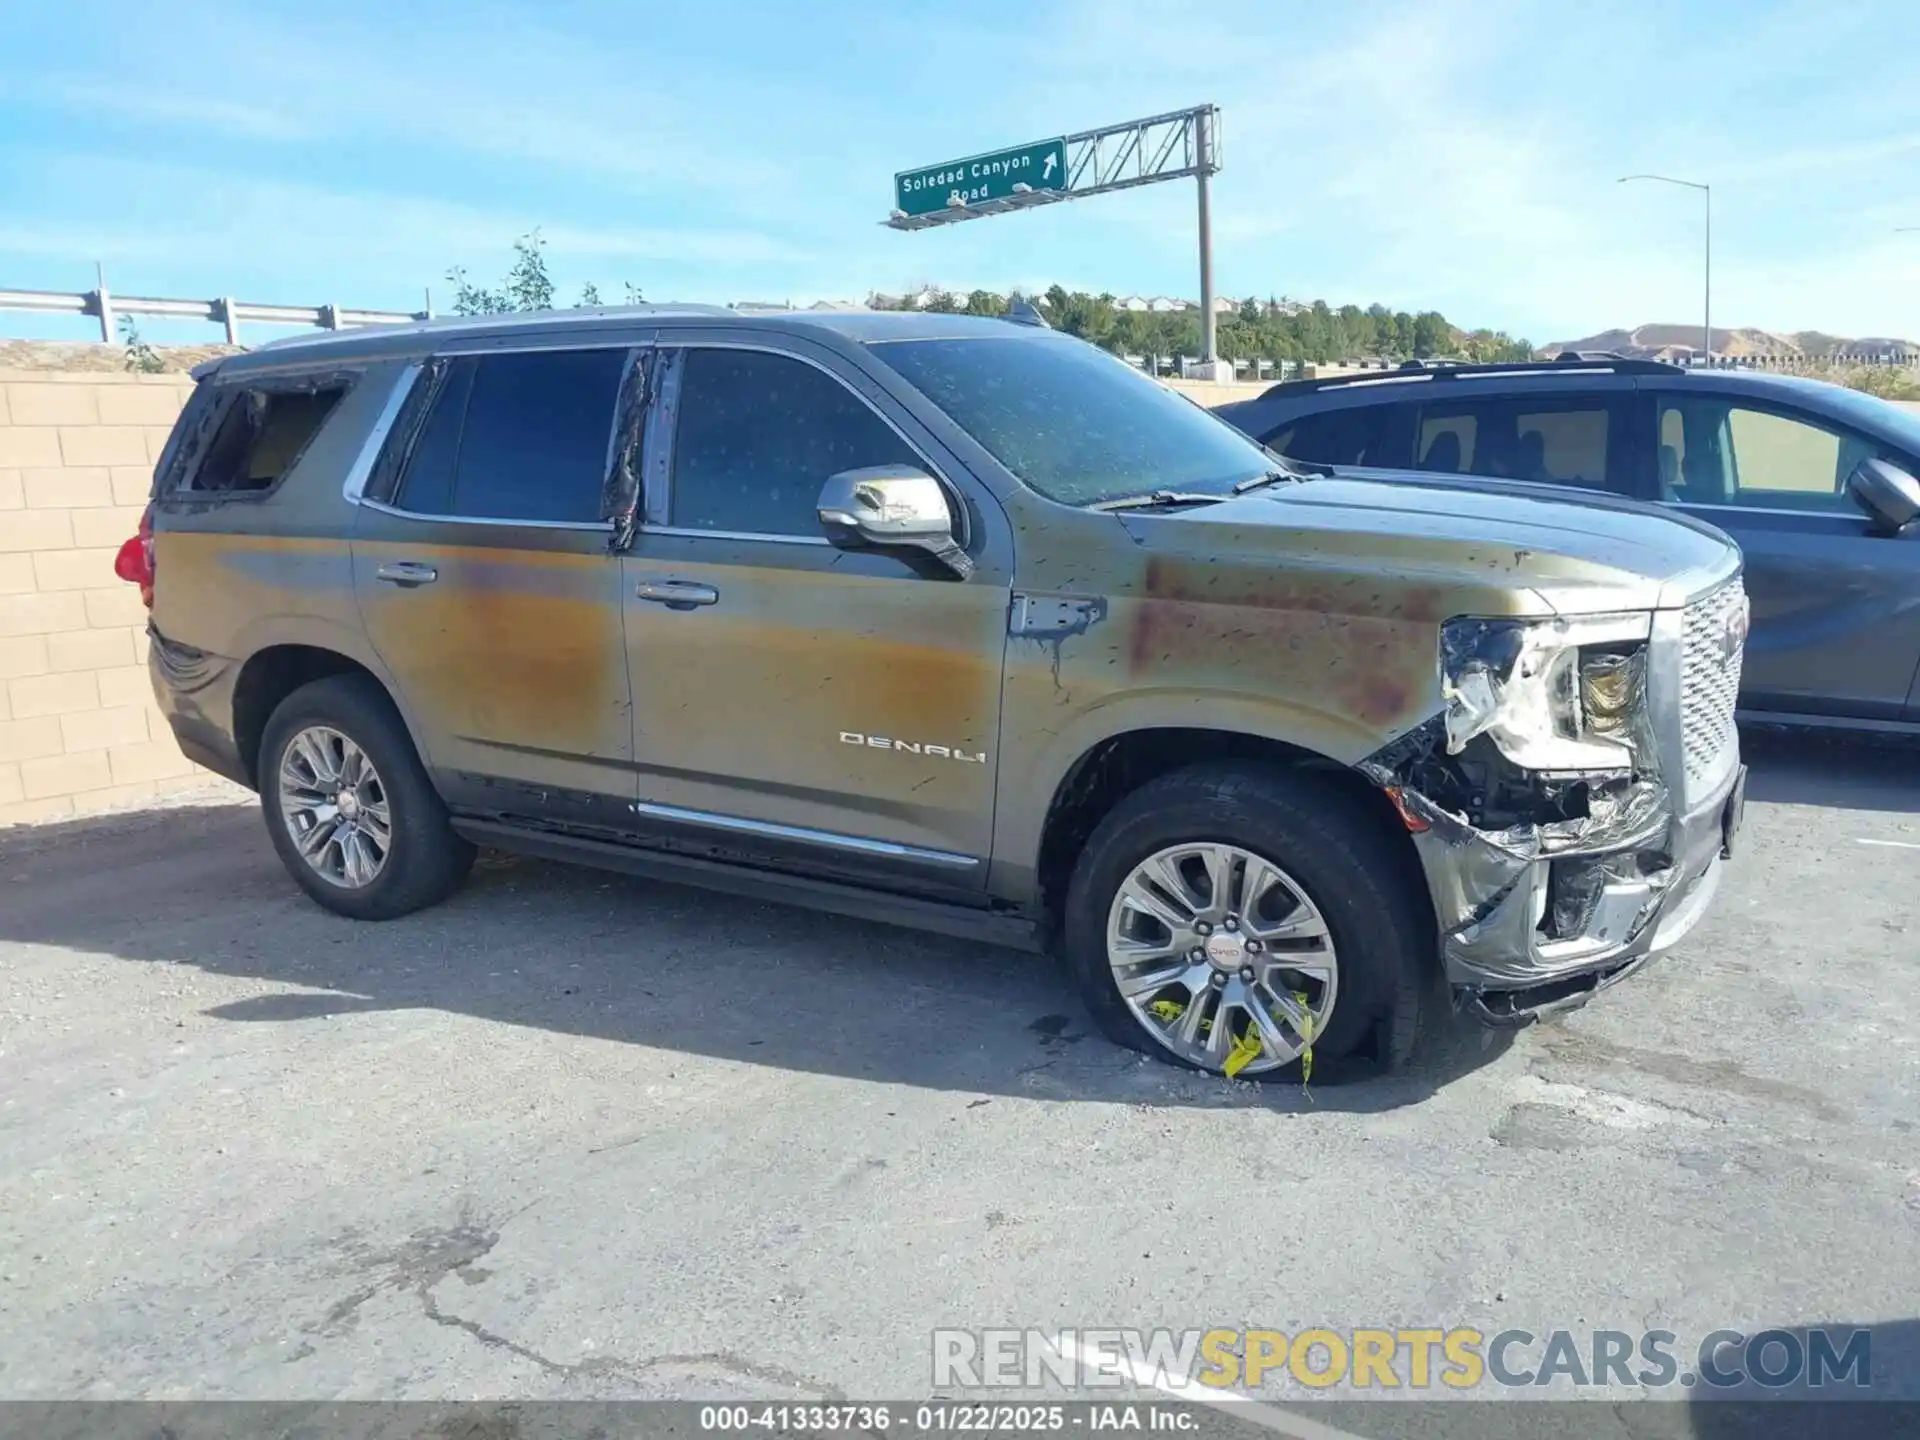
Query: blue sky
[[1452, 154]]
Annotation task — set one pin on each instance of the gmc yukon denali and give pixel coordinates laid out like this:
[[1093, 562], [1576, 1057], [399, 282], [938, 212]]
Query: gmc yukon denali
[[955, 623]]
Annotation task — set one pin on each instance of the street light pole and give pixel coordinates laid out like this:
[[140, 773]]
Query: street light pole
[[1706, 192]]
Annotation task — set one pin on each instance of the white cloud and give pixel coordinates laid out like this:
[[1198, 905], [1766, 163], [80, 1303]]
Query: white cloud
[[142, 97], [304, 231]]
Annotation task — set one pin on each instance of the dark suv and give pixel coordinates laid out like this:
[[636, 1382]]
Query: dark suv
[[1813, 481]]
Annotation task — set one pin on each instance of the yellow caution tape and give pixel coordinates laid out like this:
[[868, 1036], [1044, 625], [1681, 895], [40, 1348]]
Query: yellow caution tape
[[1306, 1038], [1245, 1050], [1167, 1011]]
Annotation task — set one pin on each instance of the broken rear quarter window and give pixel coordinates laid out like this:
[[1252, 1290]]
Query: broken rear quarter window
[[261, 436]]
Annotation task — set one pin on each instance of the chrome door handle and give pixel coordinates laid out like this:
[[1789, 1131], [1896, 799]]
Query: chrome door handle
[[406, 573], [678, 594]]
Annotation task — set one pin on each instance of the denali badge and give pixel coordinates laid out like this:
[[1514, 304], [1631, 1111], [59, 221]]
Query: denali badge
[[913, 747]]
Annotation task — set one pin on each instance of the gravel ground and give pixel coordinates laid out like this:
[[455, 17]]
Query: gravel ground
[[576, 1136]]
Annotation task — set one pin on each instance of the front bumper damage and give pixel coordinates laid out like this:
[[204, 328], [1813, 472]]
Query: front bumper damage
[[1550, 884], [1536, 919]]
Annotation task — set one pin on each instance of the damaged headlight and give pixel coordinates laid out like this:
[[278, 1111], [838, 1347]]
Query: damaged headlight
[[1565, 694]]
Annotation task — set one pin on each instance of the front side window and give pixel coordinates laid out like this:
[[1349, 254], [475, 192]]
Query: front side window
[[1560, 443], [261, 435], [757, 437], [1355, 436], [1073, 422], [1717, 452]]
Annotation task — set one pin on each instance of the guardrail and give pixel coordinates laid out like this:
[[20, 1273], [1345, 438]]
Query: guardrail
[[224, 311]]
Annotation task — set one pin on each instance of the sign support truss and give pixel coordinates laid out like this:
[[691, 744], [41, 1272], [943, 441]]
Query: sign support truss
[[1173, 146]]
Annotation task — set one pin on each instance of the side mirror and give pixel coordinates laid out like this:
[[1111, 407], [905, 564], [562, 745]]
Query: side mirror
[[892, 507], [1889, 495]]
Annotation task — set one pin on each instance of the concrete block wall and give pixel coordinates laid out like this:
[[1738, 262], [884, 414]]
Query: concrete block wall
[[79, 731]]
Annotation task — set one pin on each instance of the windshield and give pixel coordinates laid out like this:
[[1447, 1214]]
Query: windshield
[[1073, 422]]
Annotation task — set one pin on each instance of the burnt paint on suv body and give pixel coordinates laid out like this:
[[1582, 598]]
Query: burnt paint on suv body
[[544, 691]]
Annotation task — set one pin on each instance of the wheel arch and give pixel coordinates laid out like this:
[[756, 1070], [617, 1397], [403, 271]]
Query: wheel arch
[[272, 673], [1114, 766]]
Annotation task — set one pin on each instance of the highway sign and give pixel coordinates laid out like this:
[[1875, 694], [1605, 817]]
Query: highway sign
[[1040, 166]]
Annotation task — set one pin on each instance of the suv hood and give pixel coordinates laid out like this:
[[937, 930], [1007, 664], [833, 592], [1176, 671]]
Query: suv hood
[[1579, 557]]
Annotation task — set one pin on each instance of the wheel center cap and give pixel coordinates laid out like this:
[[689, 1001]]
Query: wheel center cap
[[349, 804], [1226, 951]]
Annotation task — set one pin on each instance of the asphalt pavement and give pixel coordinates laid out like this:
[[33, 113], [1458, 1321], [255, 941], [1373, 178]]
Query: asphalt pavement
[[572, 1135]]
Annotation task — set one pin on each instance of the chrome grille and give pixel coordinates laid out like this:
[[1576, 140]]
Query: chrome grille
[[1710, 680]]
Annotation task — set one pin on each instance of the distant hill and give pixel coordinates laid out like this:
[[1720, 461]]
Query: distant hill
[[1671, 342]]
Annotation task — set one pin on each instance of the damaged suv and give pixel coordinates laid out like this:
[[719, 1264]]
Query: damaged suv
[[954, 623]]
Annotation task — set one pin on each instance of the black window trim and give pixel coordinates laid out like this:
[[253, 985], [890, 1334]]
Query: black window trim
[[1767, 406], [177, 471], [423, 371], [361, 470], [663, 428]]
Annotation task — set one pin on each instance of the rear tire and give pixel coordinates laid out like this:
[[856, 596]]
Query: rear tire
[[366, 837], [1351, 913]]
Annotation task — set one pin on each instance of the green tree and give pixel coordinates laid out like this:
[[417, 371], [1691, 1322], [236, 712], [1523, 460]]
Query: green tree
[[527, 286], [138, 355], [1431, 334], [1254, 330]]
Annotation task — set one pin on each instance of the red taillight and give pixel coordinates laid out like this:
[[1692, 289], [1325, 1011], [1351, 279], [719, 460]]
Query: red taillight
[[134, 563]]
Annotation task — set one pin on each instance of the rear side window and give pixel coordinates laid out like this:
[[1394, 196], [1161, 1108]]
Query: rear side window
[[757, 437], [1335, 437], [427, 486], [260, 436], [1563, 442], [517, 437]]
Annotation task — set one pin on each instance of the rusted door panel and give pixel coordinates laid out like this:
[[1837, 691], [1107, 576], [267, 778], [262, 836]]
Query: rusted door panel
[[820, 689], [512, 656]]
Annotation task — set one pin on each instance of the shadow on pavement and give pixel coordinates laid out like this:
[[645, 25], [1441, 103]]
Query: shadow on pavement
[[587, 953], [1834, 1408], [1857, 771]]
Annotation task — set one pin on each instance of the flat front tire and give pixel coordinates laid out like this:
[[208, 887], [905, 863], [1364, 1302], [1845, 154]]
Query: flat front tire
[[349, 806], [1245, 919]]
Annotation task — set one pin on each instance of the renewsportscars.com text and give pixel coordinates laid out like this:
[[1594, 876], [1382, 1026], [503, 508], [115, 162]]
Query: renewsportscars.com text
[[1456, 1359]]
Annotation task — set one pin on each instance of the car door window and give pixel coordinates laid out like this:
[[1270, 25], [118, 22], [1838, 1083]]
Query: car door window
[[534, 445], [1565, 442], [1718, 452], [1354, 436], [426, 487], [757, 437], [263, 433]]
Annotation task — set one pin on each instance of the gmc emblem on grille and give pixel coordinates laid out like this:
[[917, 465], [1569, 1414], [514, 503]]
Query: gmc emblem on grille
[[1733, 635]]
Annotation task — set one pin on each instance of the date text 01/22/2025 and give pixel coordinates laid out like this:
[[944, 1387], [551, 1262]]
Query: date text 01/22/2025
[[942, 1418]]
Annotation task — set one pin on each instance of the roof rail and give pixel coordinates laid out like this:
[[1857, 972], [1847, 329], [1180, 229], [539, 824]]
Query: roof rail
[[1437, 371]]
